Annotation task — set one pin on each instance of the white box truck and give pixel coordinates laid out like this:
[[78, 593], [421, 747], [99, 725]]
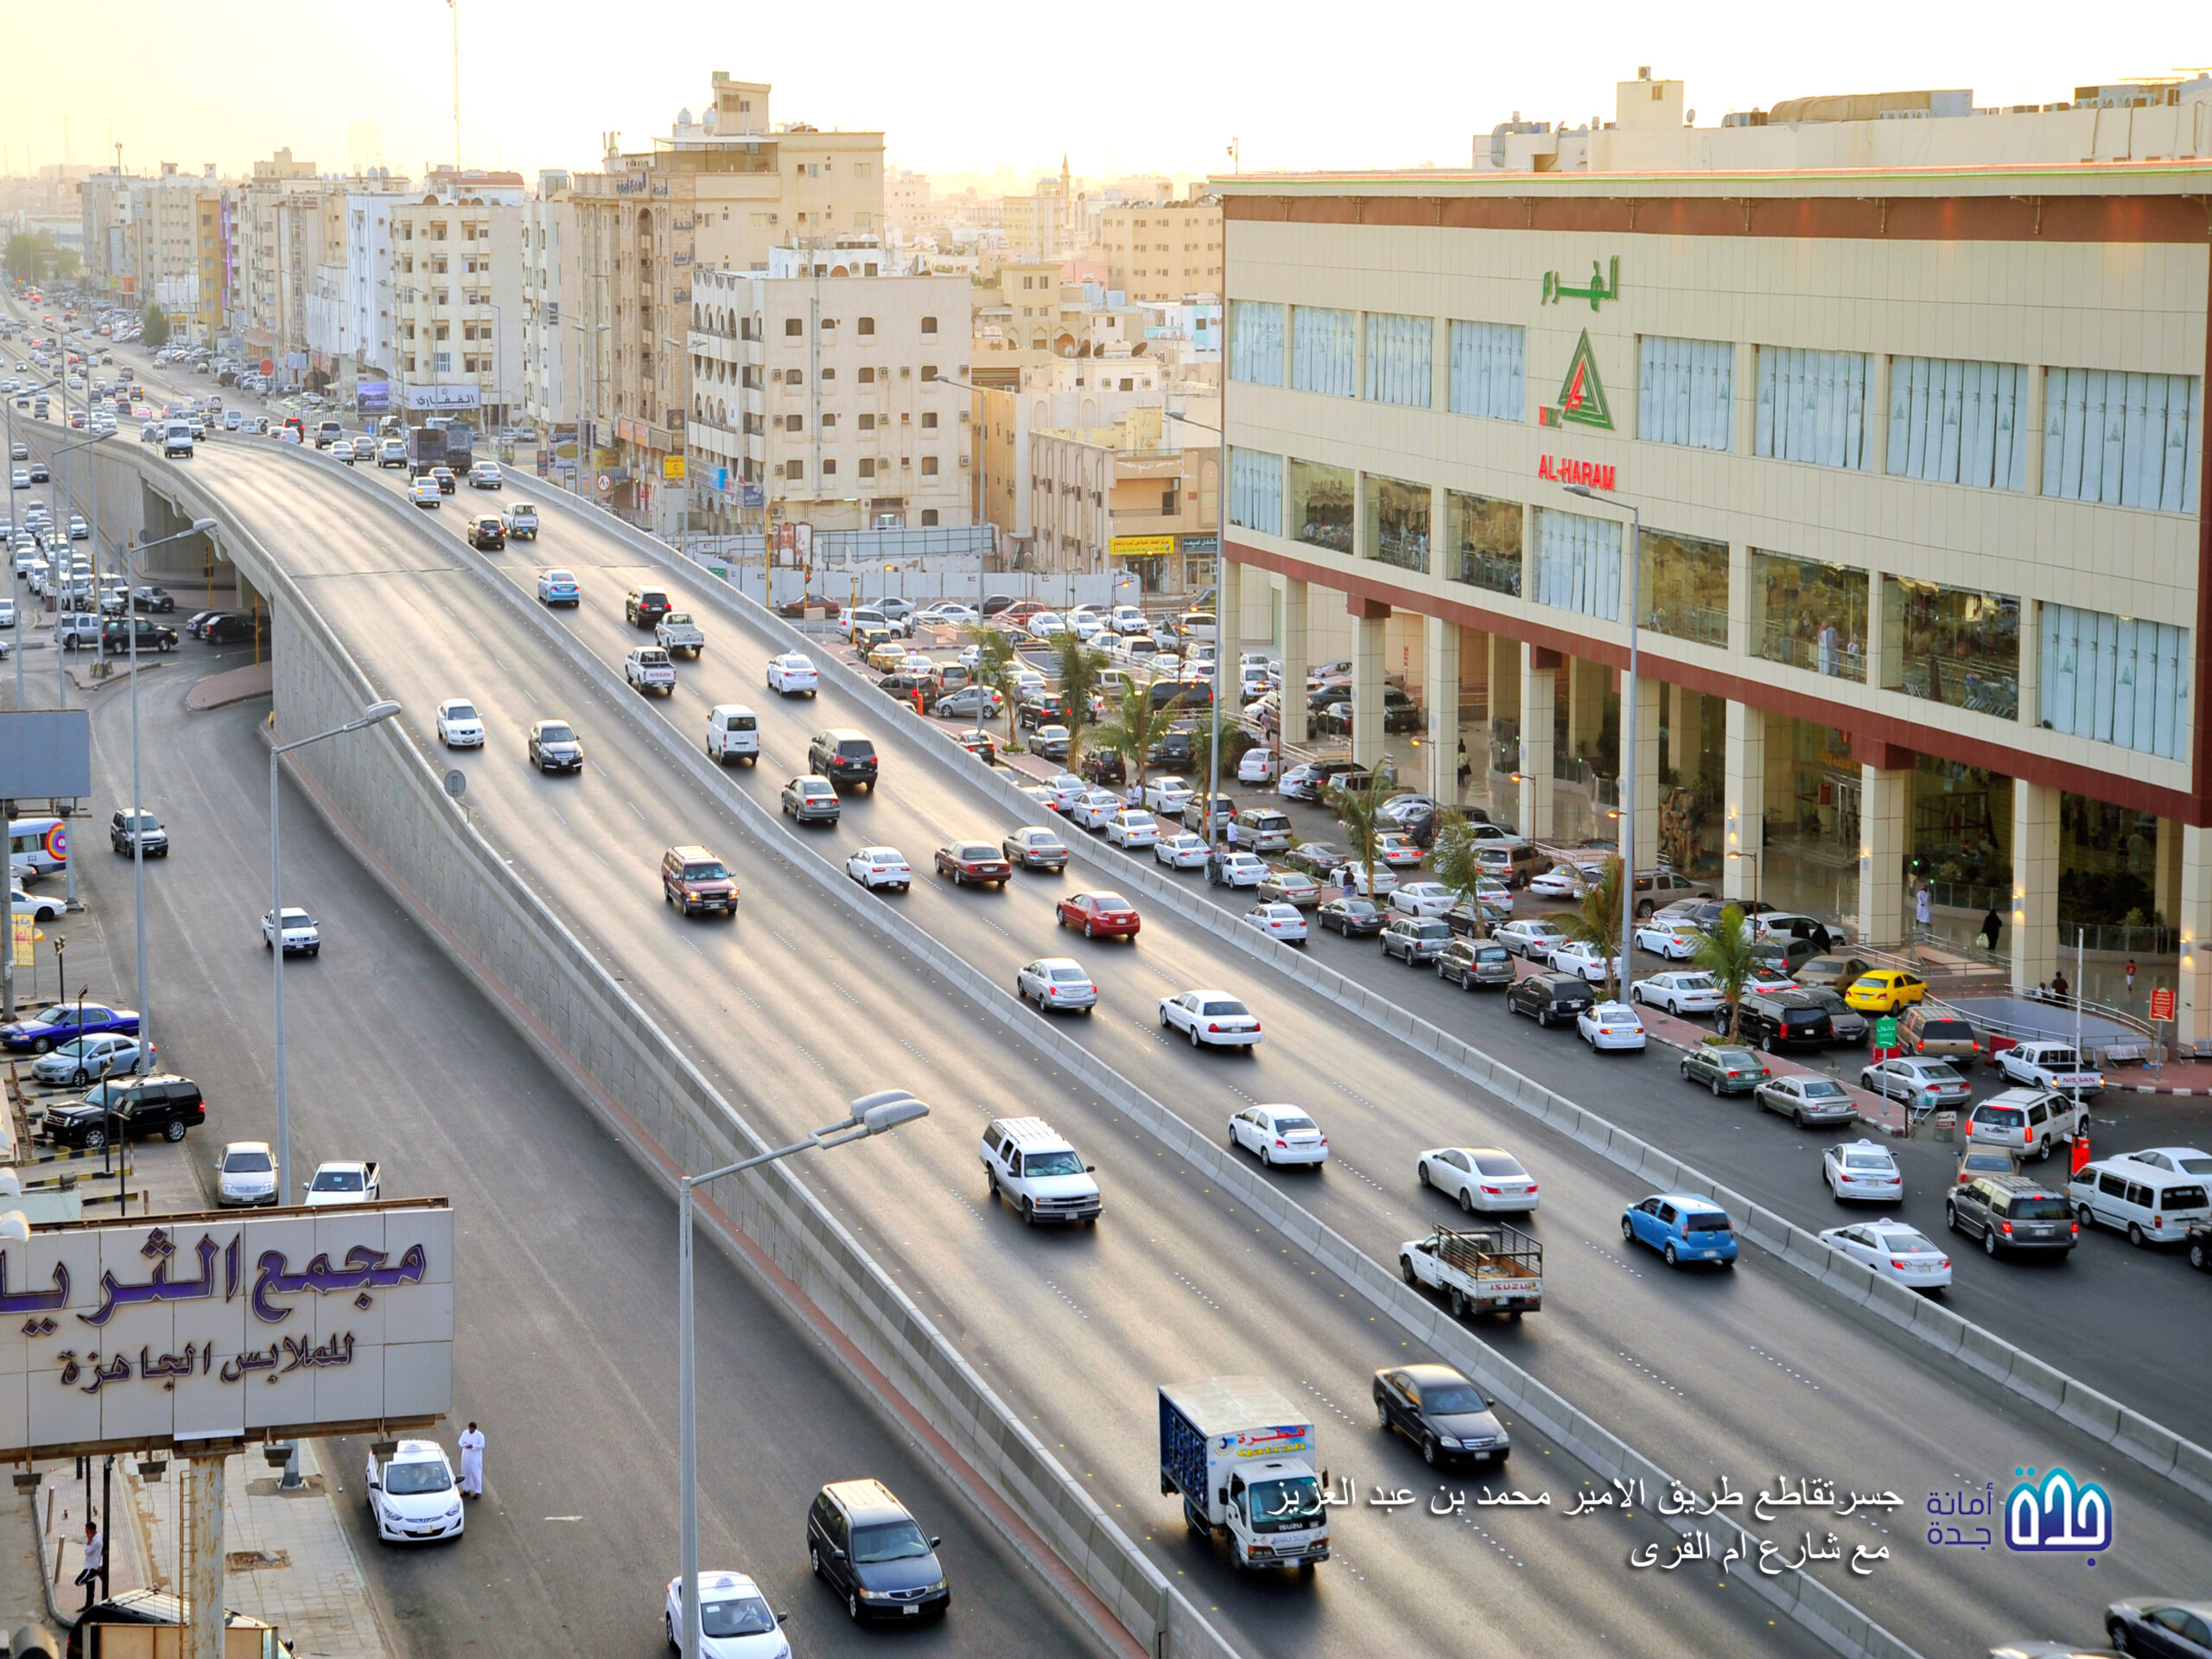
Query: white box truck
[[1241, 1455]]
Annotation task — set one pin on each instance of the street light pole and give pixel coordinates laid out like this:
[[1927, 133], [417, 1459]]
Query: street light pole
[[1628, 731], [876, 1113], [22, 626], [61, 670]]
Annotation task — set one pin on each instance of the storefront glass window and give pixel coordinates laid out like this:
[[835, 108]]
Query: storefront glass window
[[1397, 522], [1485, 545], [1684, 583], [1320, 504], [1809, 615], [1956, 645]]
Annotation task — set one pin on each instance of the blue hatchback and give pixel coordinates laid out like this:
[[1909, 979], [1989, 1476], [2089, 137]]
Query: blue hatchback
[[1683, 1228]]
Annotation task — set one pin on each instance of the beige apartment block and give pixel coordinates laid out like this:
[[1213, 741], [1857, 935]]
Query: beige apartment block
[[1129, 496], [1163, 250], [454, 273], [1919, 453]]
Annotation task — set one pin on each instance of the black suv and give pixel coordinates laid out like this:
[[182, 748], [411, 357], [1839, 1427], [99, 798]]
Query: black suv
[[2011, 1213], [163, 1104], [1550, 998], [1177, 751], [1046, 709], [151, 833], [843, 756], [1106, 768], [116, 631], [1779, 1019], [232, 629], [861, 1541], [645, 607]]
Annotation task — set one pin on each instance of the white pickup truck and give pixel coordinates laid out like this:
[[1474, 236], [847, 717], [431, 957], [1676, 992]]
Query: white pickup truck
[[521, 522], [2054, 1066], [344, 1181], [649, 670], [302, 935], [1493, 1268], [677, 632]]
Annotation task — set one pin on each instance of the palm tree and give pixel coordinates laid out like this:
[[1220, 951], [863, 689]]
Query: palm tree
[[1453, 861], [1361, 810], [1234, 740], [1078, 664], [1597, 922], [1132, 735], [996, 663], [1726, 953]]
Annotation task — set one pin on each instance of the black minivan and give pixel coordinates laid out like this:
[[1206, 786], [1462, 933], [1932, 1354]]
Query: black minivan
[[843, 756], [861, 1541]]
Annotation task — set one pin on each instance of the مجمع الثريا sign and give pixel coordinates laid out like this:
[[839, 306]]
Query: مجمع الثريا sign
[[124, 1335]]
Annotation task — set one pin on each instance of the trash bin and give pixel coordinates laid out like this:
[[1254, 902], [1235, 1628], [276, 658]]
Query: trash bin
[[1947, 1126]]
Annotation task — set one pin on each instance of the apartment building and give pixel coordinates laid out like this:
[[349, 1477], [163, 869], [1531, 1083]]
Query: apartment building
[[1130, 495], [1163, 250], [1916, 453], [824, 395], [273, 254], [165, 238], [552, 332], [1046, 223]]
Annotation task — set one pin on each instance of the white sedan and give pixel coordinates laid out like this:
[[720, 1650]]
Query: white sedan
[[1561, 882], [485, 475], [459, 727], [1056, 983], [734, 1620], [1132, 828], [1167, 795], [1480, 1177], [1239, 870], [1183, 852], [1679, 993], [1210, 1019], [1278, 1134], [1386, 880], [1256, 766], [1424, 899], [412, 1495], [1673, 939], [880, 866], [1893, 1250], [1862, 1172], [793, 673], [1094, 808], [1610, 1025], [1574, 956], [245, 1173], [1279, 921]]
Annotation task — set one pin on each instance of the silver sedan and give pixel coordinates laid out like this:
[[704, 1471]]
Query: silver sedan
[[1057, 983]]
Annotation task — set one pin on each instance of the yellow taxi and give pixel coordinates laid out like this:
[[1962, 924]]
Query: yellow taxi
[[1885, 990], [887, 656]]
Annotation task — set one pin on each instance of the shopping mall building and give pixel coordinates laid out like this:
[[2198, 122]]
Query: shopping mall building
[[1909, 397]]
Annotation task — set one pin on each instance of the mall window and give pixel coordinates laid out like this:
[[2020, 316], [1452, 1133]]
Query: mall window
[[1255, 491], [1686, 392], [1485, 541], [2124, 439], [1397, 521], [1578, 564], [1808, 614], [1400, 359], [1322, 347], [2116, 678], [1812, 406], [1954, 645], [1489, 374], [1320, 504], [1683, 586], [1953, 422]]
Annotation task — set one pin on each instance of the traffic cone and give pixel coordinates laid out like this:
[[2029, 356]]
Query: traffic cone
[[2080, 1148]]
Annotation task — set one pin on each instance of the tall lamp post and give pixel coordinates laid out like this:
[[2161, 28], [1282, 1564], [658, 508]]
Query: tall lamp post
[[1221, 626], [876, 1113], [58, 555], [21, 628], [1628, 730]]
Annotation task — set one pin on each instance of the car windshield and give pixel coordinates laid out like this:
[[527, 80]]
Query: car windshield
[[2194, 1165], [740, 1615], [1821, 1089], [711, 870], [555, 734], [1452, 1400], [460, 711], [1492, 953], [1230, 1010], [60, 1015], [1295, 1499], [1359, 906], [247, 1163], [1947, 1031], [2005, 1117], [1705, 1221], [414, 1479], [902, 1541], [1431, 929], [1905, 1243]]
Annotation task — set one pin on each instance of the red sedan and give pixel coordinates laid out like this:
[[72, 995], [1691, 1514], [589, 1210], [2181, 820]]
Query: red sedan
[[1097, 913], [972, 861]]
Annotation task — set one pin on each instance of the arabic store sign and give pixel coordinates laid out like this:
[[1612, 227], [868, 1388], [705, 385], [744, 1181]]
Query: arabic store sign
[[130, 1335]]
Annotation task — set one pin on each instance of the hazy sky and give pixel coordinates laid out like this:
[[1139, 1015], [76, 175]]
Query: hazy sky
[[1133, 88]]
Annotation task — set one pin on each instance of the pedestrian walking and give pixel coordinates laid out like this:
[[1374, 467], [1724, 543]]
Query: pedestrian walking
[[1992, 925], [472, 1462], [2130, 971], [1922, 910], [95, 1559]]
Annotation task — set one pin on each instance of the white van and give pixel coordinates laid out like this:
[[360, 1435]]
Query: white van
[[44, 842], [176, 440], [2149, 1204], [734, 733]]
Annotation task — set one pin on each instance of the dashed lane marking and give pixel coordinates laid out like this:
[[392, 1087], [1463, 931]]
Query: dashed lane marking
[[1196, 1292], [1617, 1259], [1653, 1375], [1326, 1401], [1784, 1367]]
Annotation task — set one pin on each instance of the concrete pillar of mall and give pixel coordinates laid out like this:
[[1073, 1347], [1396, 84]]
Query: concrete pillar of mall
[[1229, 616], [1585, 714], [2193, 919], [204, 1546], [1539, 695], [1885, 840], [1296, 657], [1368, 666], [2165, 876], [1440, 688], [1743, 802], [2035, 882], [1643, 848]]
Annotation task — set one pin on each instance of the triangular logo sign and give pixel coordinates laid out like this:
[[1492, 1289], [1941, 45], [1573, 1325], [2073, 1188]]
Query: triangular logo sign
[[1582, 394]]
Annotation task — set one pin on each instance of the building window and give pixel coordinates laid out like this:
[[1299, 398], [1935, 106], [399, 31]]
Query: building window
[[1255, 491], [1579, 563], [929, 420], [1320, 504], [2126, 440], [1808, 614], [2116, 679], [1954, 645], [1958, 422], [928, 373], [867, 422], [929, 325], [1487, 541], [1686, 392], [1397, 521], [929, 517], [1683, 586], [794, 327], [929, 466], [868, 325], [828, 375], [1322, 347], [868, 467], [828, 469], [1128, 384], [794, 377], [442, 364], [1256, 342], [828, 421], [1489, 373], [867, 377], [794, 469], [1400, 359], [760, 221], [794, 423], [1812, 406]]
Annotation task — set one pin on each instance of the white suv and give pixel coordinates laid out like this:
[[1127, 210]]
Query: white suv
[[1027, 1160]]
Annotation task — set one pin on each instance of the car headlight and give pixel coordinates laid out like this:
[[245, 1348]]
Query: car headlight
[[455, 1512], [873, 1595], [1448, 1442]]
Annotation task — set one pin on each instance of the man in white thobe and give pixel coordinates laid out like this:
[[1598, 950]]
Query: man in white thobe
[[472, 1462]]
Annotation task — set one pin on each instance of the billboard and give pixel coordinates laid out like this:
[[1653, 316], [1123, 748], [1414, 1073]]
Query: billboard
[[373, 396], [119, 1335], [444, 397], [672, 466], [1143, 547], [46, 754]]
